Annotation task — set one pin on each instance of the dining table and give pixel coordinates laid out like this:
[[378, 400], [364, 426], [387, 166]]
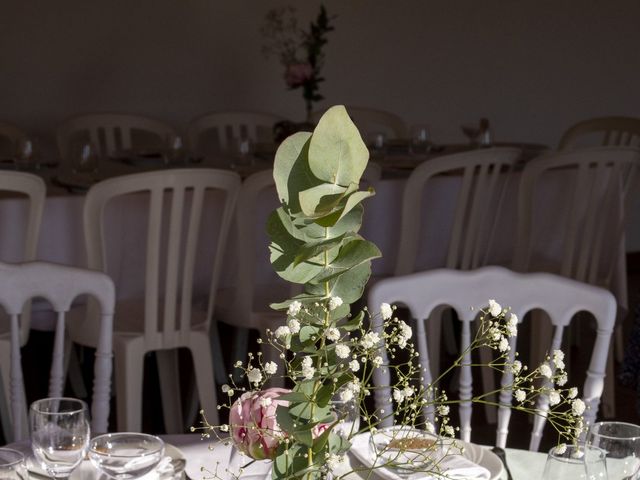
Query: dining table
[[208, 458]]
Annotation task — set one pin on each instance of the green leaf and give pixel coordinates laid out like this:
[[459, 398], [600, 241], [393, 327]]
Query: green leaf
[[313, 249], [307, 332], [337, 153], [355, 199], [352, 254], [353, 323], [293, 397], [284, 418], [320, 200], [348, 286], [340, 312]]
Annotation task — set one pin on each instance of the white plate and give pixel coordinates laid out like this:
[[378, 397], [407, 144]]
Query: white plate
[[86, 471], [479, 455]]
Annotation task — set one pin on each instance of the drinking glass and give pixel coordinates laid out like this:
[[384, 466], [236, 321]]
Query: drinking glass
[[621, 443], [349, 413], [576, 462], [378, 141], [419, 138], [12, 466], [25, 155], [59, 434], [126, 456], [472, 132], [242, 156], [84, 158]]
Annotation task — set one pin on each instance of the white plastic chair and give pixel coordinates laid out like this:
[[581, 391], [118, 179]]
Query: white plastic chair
[[170, 315], [583, 236], [60, 285], [483, 177], [604, 131], [559, 297], [113, 132], [218, 131], [31, 186], [371, 121], [11, 137]]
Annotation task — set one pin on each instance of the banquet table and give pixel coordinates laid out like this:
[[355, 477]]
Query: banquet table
[[205, 456]]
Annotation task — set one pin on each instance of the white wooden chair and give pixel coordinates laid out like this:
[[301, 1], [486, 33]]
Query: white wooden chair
[[113, 132], [218, 131], [603, 131], [171, 314], [11, 137], [561, 298], [34, 189], [59, 285], [483, 177], [583, 237], [371, 121]]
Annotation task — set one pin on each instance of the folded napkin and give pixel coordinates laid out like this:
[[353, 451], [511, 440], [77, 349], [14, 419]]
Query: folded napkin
[[451, 466]]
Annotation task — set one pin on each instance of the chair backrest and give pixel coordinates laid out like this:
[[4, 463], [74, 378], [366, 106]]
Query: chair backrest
[[604, 131], [113, 132], [60, 285], [559, 297], [588, 189], [34, 188], [219, 131], [10, 138], [483, 176], [370, 121], [178, 208]]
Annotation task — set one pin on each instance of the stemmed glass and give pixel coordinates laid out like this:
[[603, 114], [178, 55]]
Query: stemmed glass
[[419, 139], [349, 415], [59, 434], [85, 158], [12, 466], [472, 132], [621, 443], [575, 462]]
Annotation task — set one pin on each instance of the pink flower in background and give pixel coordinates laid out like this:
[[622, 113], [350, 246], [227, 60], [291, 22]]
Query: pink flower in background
[[254, 428], [297, 74]]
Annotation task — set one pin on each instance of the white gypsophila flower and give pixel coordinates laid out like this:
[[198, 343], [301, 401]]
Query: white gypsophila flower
[[307, 361], [520, 395], [231, 392], [370, 340], [503, 346], [516, 367], [579, 427], [449, 430], [224, 428], [562, 379], [495, 308], [577, 407], [554, 397], [495, 334], [405, 330], [408, 392], [512, 321], [334, 462], [282, 331], [294, 325], [398, 395], [334, 302], [265, 402], [386, 311], [294, 308], [333, 334], [429, 427], [225, 388], [254, 375], [512, 330], [558, 355], [308, 372], [377, 362], [545, 370], [561, 449], [354, 365], [342, 350], [271, 368], [443, 410], [346, 395], [354, 386], [238, 364], [572, 393]]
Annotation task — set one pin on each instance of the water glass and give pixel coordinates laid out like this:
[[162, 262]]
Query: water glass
[[85, 158], [621, 443], [59, 434], [378, 141], [419, 138], [12, 465], [25, 155], [349, 413], [575, 462]]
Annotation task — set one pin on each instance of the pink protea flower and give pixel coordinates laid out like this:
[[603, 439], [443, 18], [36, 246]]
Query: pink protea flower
[[254, 428], [297, 74]]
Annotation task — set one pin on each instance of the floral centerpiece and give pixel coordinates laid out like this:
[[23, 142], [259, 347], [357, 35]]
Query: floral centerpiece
[[329, 355], [299, 51]]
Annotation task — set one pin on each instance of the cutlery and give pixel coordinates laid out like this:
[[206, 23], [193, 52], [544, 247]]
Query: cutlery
[[502, 455]]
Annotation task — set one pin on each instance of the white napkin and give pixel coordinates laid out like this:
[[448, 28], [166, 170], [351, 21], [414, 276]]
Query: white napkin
[[454, 467]]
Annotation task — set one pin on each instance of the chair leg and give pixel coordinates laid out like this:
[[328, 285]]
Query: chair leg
[[170, 390], [488, 384], [205, 381], [129, 371], [608, 399]]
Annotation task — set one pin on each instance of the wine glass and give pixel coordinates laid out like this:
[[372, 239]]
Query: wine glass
[[472, 132], [419, 138], [348, 414], [621, 443], [84, 158], [12, 466], [126, 456], [59, 434], [575, 462], [25, 155]]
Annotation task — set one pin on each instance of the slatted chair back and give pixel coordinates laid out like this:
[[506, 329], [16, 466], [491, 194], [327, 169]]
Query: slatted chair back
[[603, 131]]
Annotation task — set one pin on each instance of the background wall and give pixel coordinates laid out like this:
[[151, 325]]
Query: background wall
[[533, 67]]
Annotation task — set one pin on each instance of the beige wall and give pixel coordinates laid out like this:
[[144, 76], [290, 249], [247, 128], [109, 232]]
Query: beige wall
[[532, 67]]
